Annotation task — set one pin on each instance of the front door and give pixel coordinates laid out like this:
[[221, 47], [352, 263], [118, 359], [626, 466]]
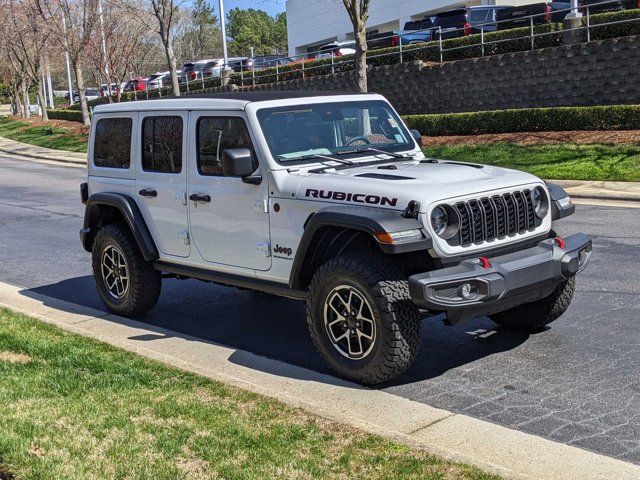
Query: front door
[[228, 218], [161, 180]]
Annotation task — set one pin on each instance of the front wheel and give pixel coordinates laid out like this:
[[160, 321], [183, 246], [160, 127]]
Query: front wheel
[[127, 284], [531, 317], [362, 320]]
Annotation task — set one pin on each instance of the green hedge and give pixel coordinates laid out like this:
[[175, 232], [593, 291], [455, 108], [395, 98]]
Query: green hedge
[[66, 114], [615, 117], [630, 27]]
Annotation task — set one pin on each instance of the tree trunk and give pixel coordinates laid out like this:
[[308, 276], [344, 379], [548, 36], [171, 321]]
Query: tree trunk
[[15, 95], [171, 62], [42, 101], [361, 57], [25, 98], [84, 108]]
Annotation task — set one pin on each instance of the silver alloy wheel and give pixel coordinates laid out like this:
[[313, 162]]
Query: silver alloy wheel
[[348, 320], [115, 271]]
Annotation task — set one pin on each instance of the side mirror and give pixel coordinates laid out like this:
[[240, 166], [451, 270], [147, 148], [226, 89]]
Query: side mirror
[[416, 135], [238, 162]]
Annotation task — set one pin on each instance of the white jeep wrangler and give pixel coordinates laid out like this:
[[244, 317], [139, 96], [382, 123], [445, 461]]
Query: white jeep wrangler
[[326, 199]]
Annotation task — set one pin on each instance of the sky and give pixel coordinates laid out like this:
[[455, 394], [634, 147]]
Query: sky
[[270, 6]]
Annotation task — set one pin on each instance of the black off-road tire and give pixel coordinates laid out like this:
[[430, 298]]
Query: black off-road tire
[[145, 282], [396, 317], [531, 317]]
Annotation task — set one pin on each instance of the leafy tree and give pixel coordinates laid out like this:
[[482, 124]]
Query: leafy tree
[[200, 37], [257, 29]]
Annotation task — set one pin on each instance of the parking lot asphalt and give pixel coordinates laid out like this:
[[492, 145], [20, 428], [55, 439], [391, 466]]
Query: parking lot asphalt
[[576, 382]]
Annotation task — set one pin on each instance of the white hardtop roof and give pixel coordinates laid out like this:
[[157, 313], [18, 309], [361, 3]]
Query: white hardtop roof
[[232, 101]]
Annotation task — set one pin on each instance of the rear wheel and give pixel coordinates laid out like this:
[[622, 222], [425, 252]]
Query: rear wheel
[[362, 320], [127, 284], [531, 317]]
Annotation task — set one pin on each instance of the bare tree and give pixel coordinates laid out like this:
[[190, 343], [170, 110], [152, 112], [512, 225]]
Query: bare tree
[[359, 13], [30, 37], [73, 24], [126, 36], [166, 12]]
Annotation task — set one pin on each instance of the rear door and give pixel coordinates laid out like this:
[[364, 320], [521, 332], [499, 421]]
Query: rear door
[[230, 224], [161, 180]]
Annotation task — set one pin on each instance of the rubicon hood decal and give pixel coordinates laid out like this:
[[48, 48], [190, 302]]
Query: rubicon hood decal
[[351, 197]]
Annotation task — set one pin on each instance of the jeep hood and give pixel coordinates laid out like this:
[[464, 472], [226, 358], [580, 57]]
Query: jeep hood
[[423, 181]]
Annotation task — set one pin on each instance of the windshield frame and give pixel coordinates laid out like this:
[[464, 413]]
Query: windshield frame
[[411, 146]]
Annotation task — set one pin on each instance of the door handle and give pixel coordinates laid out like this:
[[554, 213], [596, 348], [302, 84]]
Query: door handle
[[147, 192], [200, 197]]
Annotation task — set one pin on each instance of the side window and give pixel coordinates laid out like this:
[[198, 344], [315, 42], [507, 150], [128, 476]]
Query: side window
[[112, 143], [162, 144], [215, 135]]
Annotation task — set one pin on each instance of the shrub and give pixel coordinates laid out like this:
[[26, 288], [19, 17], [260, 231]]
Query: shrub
[[614, 117], [630, 27], [66, 114]]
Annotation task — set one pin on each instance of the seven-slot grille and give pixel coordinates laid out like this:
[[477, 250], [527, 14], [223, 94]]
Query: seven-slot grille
[[497, 216]]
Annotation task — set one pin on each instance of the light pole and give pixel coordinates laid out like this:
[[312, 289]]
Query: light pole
[[575, 10], [104, 44], [224, 34], [66, 56]]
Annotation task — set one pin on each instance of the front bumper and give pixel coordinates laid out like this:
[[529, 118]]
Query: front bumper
[[478, 287]]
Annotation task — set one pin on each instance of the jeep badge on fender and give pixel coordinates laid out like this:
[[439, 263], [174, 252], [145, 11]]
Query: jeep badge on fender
[[327, 199]]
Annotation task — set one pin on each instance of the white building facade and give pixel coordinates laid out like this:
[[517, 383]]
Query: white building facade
[[311, 23]]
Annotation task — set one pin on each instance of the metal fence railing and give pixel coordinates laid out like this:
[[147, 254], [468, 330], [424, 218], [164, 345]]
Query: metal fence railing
[[437, 46]]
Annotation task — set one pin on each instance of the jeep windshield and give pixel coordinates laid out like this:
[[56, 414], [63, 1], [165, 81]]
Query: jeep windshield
[[306, 133]]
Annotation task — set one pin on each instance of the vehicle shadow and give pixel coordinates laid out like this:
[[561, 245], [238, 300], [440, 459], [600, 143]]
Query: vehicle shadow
[[261, 325]]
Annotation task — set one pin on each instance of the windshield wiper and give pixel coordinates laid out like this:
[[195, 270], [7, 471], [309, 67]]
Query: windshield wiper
[[321, 157], [372, 150]]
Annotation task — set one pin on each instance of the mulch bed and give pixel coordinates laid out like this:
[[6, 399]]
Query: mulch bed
[[73, 128], [577, 137]]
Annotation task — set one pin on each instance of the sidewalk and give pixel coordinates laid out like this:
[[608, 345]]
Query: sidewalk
[[579, 189], [493, 448], [614, 191], [14, 147]]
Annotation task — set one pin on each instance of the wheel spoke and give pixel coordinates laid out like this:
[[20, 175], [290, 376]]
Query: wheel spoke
[[335, 310], [362, 334]]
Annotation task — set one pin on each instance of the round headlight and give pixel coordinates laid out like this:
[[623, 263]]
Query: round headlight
[[539, 202], [439, 220]]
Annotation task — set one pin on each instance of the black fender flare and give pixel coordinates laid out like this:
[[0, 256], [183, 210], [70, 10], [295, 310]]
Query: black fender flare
[[365, 219], [132, 215], [559, 209]]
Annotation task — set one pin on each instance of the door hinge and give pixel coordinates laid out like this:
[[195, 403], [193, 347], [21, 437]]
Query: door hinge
[[184, 236], [264, 249], [261, 205]]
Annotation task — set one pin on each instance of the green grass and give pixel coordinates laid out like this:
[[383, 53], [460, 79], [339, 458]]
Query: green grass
[[561, 162], [42, 136], [73, 408]]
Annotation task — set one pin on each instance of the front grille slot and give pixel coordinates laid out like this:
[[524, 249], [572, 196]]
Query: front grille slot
[[495, 217]]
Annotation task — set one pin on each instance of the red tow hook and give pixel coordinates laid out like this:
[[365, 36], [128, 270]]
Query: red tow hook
[[560, 242], [484, 262]]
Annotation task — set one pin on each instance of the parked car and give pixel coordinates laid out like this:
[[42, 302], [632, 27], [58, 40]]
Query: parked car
[[239, 63], [336, 49], [483, 18], [269, 61], [294, 194], [538, 13], [136, 85], [199, 69], [158, 80], [90, 94], [104, 89], [596, 6]]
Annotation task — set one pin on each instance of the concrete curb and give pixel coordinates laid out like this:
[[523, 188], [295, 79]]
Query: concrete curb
[[612, 191], [13, 147], [493, 448]]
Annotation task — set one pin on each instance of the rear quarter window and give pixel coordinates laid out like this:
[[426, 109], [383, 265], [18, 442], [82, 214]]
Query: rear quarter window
[[112, 143]]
